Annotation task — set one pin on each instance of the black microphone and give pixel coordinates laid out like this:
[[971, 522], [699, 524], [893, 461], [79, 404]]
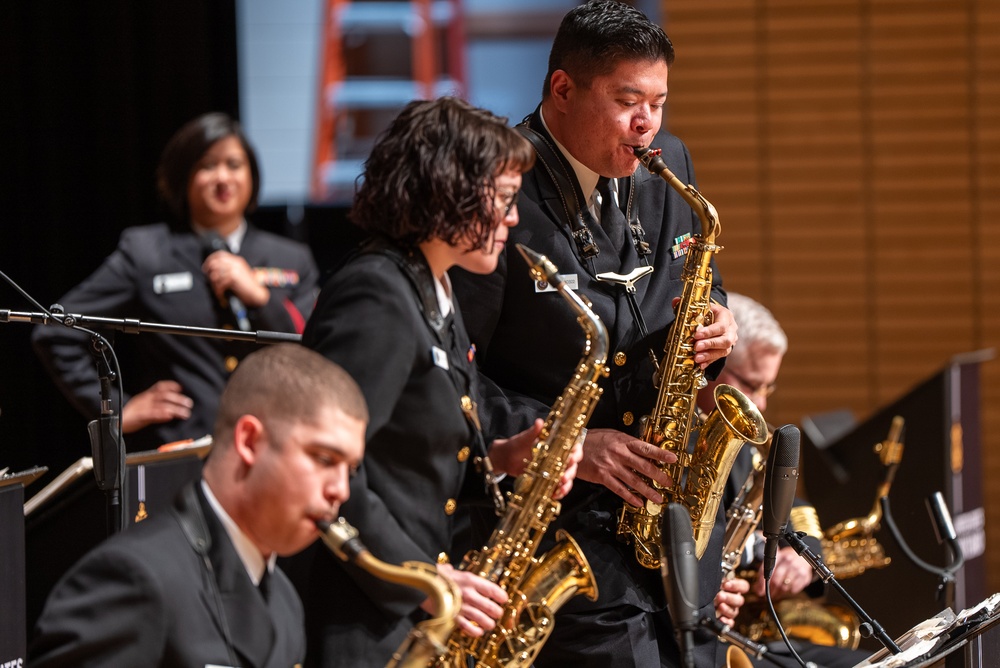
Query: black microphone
[[780, 479], [944, 529], [679, 569], [211, 242]]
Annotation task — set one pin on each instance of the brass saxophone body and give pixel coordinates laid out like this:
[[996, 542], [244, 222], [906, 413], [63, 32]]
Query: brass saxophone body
[[427, 640], [700, 475], [537, 588]]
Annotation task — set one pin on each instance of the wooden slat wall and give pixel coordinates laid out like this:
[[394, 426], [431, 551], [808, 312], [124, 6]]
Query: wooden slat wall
[[852, 149]]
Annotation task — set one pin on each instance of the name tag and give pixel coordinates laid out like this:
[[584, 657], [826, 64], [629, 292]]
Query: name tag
[[180, 282], [440, 357], [572, 282]]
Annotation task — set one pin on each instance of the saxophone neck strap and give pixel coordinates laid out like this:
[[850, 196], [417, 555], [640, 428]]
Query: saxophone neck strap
[[577, 215], [414, 267]]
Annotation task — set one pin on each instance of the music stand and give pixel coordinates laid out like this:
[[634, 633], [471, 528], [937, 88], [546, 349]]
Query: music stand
[[13, 625], [65, 519]]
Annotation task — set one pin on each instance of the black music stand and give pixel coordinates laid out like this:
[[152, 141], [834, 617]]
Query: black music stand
[[65, 519], [13, 625], [970, 639]]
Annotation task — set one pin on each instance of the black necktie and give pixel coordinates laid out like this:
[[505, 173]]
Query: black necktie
[[612, 219], [265, 584]]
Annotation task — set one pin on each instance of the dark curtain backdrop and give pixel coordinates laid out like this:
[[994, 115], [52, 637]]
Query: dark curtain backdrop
[[90, 92]]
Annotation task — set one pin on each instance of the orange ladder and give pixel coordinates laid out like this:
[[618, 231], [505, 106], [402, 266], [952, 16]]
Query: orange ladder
[[377, 56]]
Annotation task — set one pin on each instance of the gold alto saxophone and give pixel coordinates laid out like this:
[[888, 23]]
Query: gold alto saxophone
[[537, 588], [699, 476], [426, 641]]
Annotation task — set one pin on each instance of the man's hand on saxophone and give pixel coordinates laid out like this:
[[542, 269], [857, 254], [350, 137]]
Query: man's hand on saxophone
[[730, 599], [791, 575], [716, 340], [620, 462]]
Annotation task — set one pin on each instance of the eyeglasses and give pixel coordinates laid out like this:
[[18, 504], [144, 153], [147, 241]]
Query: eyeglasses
[[511, 203], [761, 389]]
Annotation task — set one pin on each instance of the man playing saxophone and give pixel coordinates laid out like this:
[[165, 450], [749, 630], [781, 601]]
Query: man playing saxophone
[[753, 368], [587, 207]]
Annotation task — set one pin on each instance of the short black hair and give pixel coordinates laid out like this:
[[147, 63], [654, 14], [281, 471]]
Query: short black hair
[[284, 384], [432, 173], [185, 149], [593, 38]]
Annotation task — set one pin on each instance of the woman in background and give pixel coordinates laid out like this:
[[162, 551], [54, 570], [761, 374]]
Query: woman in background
[[206, 267]]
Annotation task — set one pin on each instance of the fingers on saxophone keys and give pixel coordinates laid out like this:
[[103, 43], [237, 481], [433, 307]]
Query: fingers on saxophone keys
[[469, 628], [648, 451], [643, 490], [626, 493]]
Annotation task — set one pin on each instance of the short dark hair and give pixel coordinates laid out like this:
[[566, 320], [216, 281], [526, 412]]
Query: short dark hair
[[285, 384], [185, 149], [432, 173], [593, 38]]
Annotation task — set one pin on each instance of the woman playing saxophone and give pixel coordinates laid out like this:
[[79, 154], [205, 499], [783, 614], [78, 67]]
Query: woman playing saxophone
[[439, 191]]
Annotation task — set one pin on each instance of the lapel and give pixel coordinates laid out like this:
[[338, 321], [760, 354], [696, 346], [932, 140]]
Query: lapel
[[608, 260], [244, 618], [251, 250]]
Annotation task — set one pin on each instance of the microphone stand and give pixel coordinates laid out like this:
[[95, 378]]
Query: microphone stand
[[945, 532], [869, 627], [135, 326], [727, 634], [107, 446]]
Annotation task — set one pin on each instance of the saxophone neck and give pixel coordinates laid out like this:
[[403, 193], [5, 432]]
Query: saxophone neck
[[710, 225], [343, 540]]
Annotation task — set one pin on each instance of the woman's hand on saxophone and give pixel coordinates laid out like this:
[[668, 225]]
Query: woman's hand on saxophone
[[511, 456], [625, 465], [482, 601]]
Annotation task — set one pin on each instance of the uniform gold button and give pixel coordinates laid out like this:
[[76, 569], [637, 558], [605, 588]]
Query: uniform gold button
[[231, 364], [628, 418], [620, 359], [449, 506], [463, 454], [442, 558]]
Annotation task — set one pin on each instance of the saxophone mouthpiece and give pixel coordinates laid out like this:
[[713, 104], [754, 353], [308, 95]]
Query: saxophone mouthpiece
[[651, 160], [341, 538], [542, 268]]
